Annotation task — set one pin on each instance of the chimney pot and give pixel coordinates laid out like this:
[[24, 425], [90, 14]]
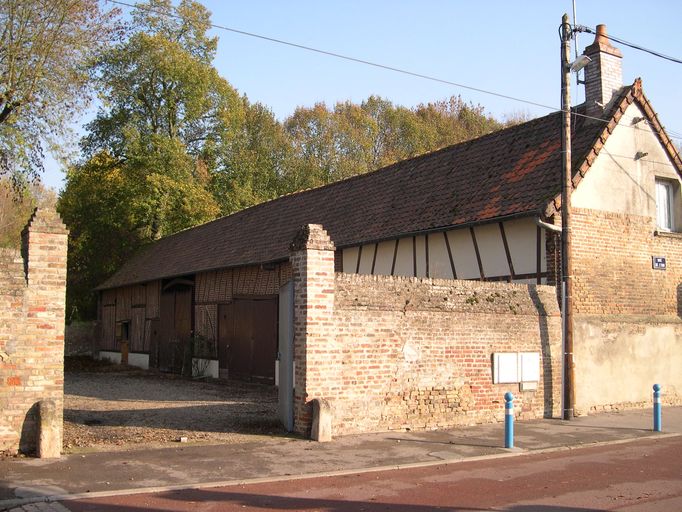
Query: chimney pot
[[601, 36], [603, 76]]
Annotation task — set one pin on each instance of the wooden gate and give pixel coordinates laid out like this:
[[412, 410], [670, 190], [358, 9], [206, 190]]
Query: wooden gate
[[247, 339], [175, 327]]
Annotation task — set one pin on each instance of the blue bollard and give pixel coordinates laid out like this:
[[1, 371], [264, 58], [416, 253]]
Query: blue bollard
[[508, 420], [657, 408]]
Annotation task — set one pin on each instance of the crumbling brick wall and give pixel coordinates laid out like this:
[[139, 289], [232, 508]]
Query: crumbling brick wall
[[396, 353], [32, 303]]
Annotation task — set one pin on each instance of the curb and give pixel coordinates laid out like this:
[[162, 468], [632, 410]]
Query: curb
[[517, 452]]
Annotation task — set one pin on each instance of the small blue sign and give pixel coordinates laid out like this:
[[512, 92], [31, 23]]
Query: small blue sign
[[658, 262]]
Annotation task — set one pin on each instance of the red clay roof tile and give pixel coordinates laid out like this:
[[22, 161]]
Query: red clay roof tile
[[511, 172]]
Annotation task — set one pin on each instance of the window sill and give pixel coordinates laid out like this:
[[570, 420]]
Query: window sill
[[668, 234]]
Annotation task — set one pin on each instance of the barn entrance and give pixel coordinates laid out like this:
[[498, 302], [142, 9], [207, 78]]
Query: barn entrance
[[172, 352], [247, 339]]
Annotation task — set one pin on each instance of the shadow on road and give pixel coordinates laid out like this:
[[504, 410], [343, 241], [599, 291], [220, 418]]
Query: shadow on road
[[226, 501]]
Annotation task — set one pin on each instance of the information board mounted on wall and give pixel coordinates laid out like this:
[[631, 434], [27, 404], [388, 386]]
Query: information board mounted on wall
[[516, 367]]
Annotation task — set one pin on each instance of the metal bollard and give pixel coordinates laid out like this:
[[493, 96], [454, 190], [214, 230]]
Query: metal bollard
[[657, 408], [508, 420]]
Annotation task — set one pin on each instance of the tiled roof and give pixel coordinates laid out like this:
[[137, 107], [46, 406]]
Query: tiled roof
[[511, 172]]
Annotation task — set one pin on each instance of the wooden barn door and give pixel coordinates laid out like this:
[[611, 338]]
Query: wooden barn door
[[247, 339], [175, 327]]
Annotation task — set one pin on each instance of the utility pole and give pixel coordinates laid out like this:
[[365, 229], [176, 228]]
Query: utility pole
[[566, 188]]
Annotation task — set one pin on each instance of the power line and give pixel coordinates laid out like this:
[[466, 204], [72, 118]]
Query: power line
[[582, 28], [369, 63], [345, 57]]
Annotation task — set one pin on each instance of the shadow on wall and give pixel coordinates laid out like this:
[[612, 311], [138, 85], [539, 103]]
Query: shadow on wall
[[679, 300], [547, 370], [29, 431]]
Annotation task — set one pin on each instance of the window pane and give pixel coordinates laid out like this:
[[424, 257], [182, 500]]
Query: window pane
[[663, 205]]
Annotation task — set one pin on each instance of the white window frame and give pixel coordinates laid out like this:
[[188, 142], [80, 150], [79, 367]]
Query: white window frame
[[665, 205]]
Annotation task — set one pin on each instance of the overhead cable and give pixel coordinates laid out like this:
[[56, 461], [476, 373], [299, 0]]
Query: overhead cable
[[367, 62]]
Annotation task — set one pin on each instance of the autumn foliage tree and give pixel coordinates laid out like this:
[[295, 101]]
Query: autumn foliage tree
[[45, 49], [174, 145]]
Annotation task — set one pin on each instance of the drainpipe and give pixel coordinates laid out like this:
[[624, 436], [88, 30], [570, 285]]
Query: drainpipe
[[547, 225], [567, 185]]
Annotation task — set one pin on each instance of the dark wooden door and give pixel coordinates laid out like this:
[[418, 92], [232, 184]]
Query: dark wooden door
[[175, 329], [247, 339]]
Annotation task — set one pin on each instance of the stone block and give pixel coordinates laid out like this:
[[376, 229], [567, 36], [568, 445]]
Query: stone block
[[49, 430], [322, 421]]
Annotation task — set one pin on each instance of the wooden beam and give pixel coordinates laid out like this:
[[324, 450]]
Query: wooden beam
[[395, 256], [426, 252], [357, 266], [506, 251], [478, 254], [374, 258], [452, 261], [518, 277], [414, 255]]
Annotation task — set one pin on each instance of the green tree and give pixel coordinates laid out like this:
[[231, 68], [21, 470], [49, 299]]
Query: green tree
[[44, 81], [328, 145], [16, 207], [252, 163], [164, 118], [102, 229]]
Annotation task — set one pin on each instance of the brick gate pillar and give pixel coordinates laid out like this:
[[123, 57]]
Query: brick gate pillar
[[32, 349], [315, 354]]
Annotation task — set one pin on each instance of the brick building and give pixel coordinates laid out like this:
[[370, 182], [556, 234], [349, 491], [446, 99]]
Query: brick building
[[415, 295]]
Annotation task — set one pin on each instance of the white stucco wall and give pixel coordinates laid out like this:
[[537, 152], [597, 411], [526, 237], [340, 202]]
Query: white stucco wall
[[619, 360], [620, 183]]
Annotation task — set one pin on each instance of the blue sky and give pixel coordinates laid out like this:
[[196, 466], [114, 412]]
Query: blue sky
[[509, 47]]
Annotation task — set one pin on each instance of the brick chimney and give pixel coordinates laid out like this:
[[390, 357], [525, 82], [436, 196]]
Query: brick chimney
[[604, 75]]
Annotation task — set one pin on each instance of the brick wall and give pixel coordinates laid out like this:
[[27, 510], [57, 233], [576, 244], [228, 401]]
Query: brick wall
[[396, 353], [32, 302], [627, 327]]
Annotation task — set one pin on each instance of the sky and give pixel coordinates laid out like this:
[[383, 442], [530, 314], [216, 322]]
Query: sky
[[503, 46]]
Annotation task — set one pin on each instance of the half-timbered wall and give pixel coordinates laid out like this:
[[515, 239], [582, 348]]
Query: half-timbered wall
[[513, 250], [221, 286], [131, 313], [136, 306]]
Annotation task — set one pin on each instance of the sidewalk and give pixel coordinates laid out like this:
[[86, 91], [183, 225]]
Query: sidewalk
[[25, 481]]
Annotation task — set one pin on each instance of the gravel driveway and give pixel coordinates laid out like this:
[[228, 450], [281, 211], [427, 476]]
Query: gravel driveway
[[113, 406]]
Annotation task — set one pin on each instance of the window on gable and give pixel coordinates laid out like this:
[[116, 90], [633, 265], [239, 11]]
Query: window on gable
[[665, 205]]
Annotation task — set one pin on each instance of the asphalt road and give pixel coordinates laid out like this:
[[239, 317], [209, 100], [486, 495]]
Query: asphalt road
[[642, 475]]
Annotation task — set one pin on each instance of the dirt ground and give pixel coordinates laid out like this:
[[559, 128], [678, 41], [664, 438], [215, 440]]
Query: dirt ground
[[110, 406]]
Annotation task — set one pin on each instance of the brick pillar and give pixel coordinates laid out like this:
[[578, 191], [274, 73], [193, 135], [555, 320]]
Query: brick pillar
[[35, 348], [315, 352]]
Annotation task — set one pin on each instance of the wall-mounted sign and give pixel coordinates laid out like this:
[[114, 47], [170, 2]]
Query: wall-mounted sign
[[658, 262], [513, 367]]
